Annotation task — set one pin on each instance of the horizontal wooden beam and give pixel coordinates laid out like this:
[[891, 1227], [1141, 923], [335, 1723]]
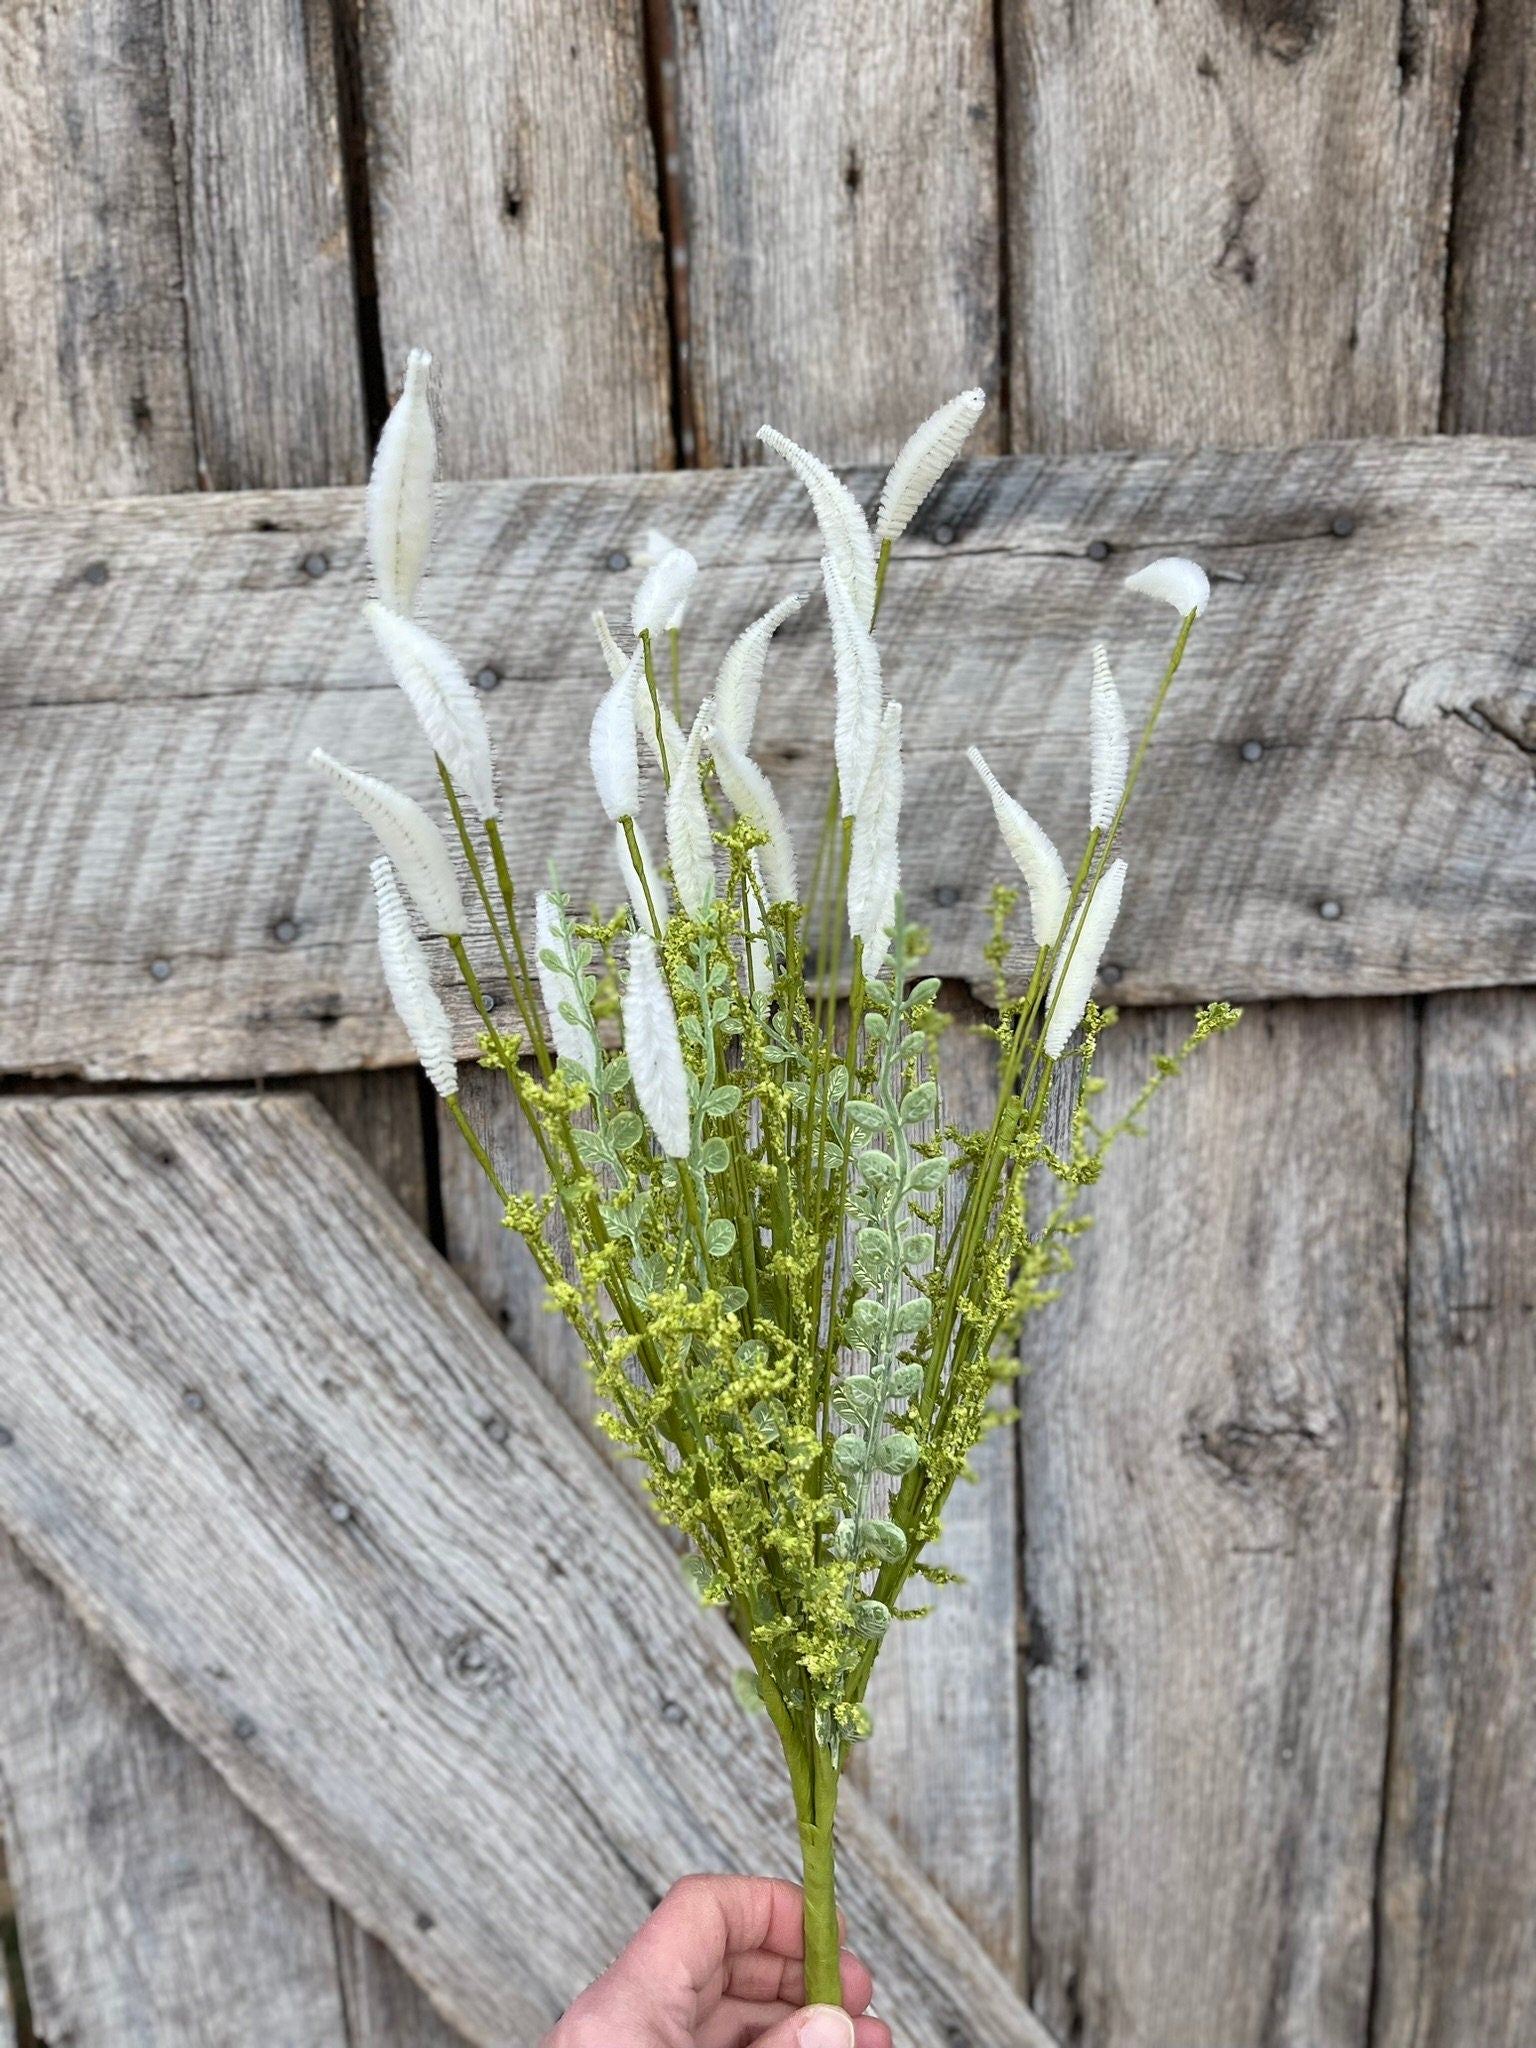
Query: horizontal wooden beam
[[1341, 799], [273, 1452]]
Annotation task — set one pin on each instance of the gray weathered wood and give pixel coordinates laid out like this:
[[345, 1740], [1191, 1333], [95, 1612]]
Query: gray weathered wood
[[515, 224], [1458, 1944], [92, 323], [380, 1622], [1228, 224], [266, 258], [384, 2008], [156, 726], [839, 170], [155, 1912], [382, 1116], [1211, 1448]]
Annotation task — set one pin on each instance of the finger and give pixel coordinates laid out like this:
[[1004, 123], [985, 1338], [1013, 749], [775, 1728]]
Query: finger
[[764, 1976], [871, 2033], [814, 2026], [704, 1920]]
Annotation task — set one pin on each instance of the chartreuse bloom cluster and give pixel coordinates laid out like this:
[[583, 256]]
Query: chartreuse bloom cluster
[[798, 1282]]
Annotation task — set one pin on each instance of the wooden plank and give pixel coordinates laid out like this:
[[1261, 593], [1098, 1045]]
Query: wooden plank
[[384, 2008], [1458, 1945], [1490, 341], [839, 168], [1181, 270], [266, 258], [1211, 1448], [156, 727], [92, 322], [382, 1116], [141, 1879], [378, 1618], [513, 187]]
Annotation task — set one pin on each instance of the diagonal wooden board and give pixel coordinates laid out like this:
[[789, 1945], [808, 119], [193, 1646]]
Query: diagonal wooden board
[[252, 1429], [180, 899]]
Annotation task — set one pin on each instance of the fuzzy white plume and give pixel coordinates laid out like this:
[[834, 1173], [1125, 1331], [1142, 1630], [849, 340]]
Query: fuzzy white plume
[[1177, 581], [653, 546], [417, 1002], [611, 746], [927, 455], [648, 717], [410, 839], [857, 662], [840, 517], [663, 596], [874, 867], [399, 508], [740, 681], [749, 790], [1078, 961], [447, 707], [647, 892], [565, 1004], [690, 846], [1038, 861], [613, 654], [655, 1057], [1111, 743]]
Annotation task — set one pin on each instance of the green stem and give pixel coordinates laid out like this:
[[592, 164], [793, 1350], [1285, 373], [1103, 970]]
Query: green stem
[[509, 900], [631, 840], [650, 684], [880, 568], [674, 635], [815, 1784]]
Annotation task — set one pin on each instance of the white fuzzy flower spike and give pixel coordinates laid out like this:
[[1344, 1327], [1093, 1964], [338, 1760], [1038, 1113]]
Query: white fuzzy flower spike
[[651, 549], [399, 507], [410, 839], [749, 790], [1078, 963], [740, 681], [840, 517], [663, 596], [927, 455], [615, 761], [690, 845], [1177, 581], [416, 1001], [565, 1005], [655, 1056], [647, 892], [1038, 861], [857, 661], [447, 707], [874, 868], [613, 654], [1111, 743]]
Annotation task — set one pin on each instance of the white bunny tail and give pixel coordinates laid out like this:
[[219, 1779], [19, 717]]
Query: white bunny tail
[[1111, 744], [611, 745], [613, 654], [416, 1001], [446, 705], [398, 515], [655, 1057], [1078, 964], [1177, 581], [663, 596], [740, 681], [750, 791], [928, 453], [840, 517], [874, 867], [857, 662], [690, 843], [1038, 861], [410, 839]]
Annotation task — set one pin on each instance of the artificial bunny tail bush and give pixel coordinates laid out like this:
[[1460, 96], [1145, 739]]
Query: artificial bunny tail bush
[[399, 506], [409, 837], [923, 461], [799, 1281]]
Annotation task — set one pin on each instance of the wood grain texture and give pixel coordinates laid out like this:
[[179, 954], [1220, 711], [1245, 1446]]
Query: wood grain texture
[[839, 169], [383, 1117], [92, 321], [1458, 1945], [1211, 1451], [384, 2008], [1228, 222], [513, 186], [155, 727], [377, 1620], [271, 328]]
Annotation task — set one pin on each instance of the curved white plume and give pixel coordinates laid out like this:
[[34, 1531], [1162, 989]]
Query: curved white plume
[[740, 681], [613, 654], [1078, 963], [663, 596], [1111, 743], [840, 517], [1177, 581], [651, 549], [410, 839], [857, 662], [1038, 861], [655, 1056], [749, 790], [565, 1005], [611, 745], [398, 515], [690, 845], [416, 1001], [446, 705], [928, 453], [647, 894], [874, 867]]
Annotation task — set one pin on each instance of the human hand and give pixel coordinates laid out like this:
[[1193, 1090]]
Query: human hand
[[719, 1965]]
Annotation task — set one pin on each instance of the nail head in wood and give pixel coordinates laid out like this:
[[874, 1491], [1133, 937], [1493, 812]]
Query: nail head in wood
[[1110, 973], [1343, 525], [244, 1727], [946, 896], [316, 564], [96, 572], [1330, 908], [1098, 551], [617, 559], [1252, 750], [192, 1401], [285, 931], [487, 678], [160, 970], [341, 1511], [943, 535]]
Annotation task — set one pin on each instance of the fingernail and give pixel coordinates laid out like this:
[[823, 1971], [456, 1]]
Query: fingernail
[[825, 2026]]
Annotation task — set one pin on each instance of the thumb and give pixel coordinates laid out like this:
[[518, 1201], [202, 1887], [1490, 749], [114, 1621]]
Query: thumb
[[815, 2026]]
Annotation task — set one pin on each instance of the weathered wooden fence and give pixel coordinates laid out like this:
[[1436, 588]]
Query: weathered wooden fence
[[334, 1662]]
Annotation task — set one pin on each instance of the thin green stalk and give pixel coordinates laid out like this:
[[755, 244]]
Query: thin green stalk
[[880, 568], [632, 841], [509, 900], [674, 635], [650, 684], [815, 1784]]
